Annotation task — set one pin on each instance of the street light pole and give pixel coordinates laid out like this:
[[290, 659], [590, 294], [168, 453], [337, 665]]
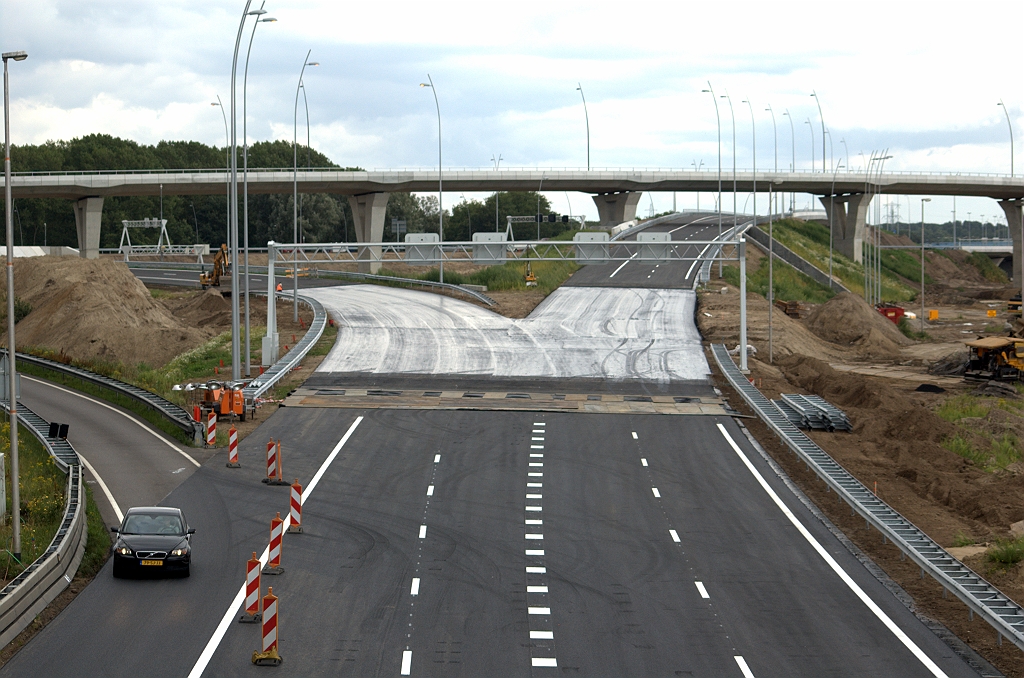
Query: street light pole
[[539, 189], [227, 164], [295, 189], [923, 201], [1008, 124], [811, 128], [775, 133], [696, 168], [496, 163], [440, 186], [245, 182], [753, 144], [12, 380], [822, 118], [792, 166], [831, 203], [718, 118], [735, 223], [586, 115]]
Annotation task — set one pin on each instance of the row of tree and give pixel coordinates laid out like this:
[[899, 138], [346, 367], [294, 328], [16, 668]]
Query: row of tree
[[203, 218]]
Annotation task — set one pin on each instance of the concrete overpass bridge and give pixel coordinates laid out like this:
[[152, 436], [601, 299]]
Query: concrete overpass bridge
[[616, 192]]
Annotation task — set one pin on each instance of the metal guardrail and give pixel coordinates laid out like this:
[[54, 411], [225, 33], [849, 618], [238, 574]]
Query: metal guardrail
[[32, 590], [261, 384], [981, 598], [173, 413]]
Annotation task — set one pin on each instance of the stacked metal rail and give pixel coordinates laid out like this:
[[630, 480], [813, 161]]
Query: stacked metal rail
[[173, 413], [812, 412], [282, 367], [32, 590], [981, 598]]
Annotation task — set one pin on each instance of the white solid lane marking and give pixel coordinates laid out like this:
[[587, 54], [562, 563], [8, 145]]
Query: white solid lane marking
[[534, 522], [535, 496], [656, 493], [634, 435], [535, 484], [437, 458], [857, 590], [534, 552], [103, 486], [545, 661], [539, 610], [536, 474], [536, 570], [415, 590], [643, 461], [126, 416], [744, 669], [536, 589], [533, 508], [406, 662], [530, 535], [542, 635], [229, 616], [423, 531], [622, 264], [536, 455], [700, 588], [675, 536]]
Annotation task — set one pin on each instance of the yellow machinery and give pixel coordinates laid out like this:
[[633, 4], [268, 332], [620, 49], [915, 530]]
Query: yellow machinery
[[995, 358], [220, 264], [530, 278]]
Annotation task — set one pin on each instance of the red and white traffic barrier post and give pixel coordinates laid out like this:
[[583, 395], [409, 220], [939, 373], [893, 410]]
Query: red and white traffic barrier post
[[211, 429], [269, 655], [252, 612], [233, 448], [274, 464], [295, 525], [276, 533]]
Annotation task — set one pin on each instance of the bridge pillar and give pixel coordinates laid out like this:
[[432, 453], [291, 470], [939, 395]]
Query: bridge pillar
[[615, 208], [368, 214], [848, 216], [88, 214], [1013, 212]]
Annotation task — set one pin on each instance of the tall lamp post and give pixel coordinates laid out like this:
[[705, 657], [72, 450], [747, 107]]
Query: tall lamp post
[[440, 186], [775, 133], [696, 168], [496, 163], [1008, 124], [718, 119], [227, 164], [792, 165], [732, 115], [811, 128], [12, 393], [245, 182], [586, 116], [539, 189], [822, 118], [831, 209], [295, 187], [923, 201], [753, 145]]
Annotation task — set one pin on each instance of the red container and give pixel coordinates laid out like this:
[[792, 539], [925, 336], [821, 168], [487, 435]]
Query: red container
[[893, 313]]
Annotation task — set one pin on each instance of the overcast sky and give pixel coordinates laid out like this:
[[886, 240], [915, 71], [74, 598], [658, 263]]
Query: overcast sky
[[921, 79]]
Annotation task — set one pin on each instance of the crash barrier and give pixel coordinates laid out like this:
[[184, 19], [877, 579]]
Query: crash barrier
[[269, 655], [32, 590], [276, 534], [295, 507], [253, 612], [233, 448], [711, 252], [257, 387], [173, 413], [981, 598]]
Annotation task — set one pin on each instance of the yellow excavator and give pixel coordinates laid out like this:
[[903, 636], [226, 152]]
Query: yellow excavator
[[995, 359], [220, 265], [529, 278]]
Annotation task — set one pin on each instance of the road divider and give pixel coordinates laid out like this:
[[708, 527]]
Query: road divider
[[233, 448], [253, 612], [211, 429], [295, 526], [274, 464], [269, 656], [276, 533]]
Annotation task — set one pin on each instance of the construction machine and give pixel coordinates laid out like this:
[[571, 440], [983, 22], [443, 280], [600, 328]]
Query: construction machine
[[530, 279], [995, 359], [224, 399], [220, 265]]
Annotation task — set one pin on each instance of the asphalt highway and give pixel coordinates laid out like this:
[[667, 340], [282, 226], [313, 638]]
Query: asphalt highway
[[447, 504]]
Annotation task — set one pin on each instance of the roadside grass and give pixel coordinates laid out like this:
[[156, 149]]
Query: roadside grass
[[990, 271], [961, 406], [907, 328], [789, 283], [1001, 451], [903, 264], [42, 485], [97, 547], [961, 539], [1006, 552]]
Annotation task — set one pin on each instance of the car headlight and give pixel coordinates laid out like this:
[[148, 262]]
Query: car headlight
[[124, 550], [180, 551]]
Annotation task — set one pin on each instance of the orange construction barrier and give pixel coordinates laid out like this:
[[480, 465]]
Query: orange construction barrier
[[296, 508], [276, 533], [252, 612], [269, 655]]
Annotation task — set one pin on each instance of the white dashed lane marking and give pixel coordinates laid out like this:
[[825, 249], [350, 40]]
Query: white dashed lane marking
[[703, 591], [430, 490], [415, 590], [656, 493], [644, 462], [675, 536], [423, 531]]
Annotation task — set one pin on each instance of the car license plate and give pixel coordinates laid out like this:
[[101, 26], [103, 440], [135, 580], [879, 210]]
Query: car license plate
[[152, 562]]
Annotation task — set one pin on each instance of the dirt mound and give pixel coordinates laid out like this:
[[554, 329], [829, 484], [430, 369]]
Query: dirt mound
[[848, 320], [205, 309], [96, 309]]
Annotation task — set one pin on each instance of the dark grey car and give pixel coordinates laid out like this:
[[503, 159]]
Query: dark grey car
[[153, 540]]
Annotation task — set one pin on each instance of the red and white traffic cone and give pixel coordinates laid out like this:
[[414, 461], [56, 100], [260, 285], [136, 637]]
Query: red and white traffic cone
[[252, 612], [269, 655], [271, 461], [233, 448], [274, 562], [296, 508], [211, 429]]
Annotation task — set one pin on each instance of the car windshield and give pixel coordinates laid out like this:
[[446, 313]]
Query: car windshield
[[152, 523]]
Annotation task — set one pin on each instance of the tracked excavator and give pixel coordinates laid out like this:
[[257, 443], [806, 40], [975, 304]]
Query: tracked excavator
[[220, 266]]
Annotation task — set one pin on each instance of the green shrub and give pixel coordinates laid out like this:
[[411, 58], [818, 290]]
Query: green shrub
[[21, 309], [1006, 552]]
